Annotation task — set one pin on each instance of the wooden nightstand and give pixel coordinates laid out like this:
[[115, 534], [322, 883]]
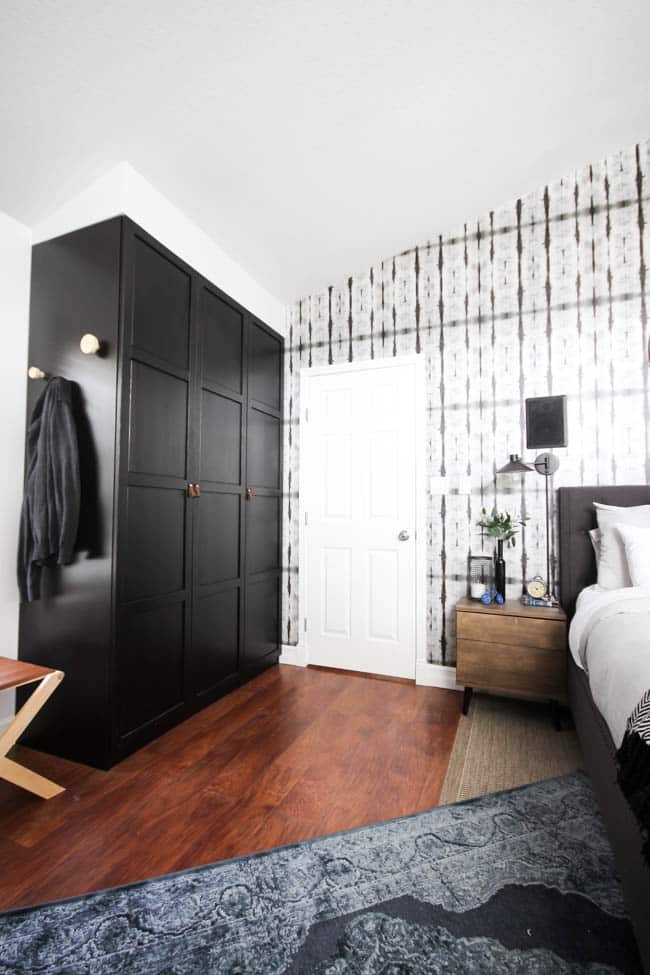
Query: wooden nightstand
[[511, 649]]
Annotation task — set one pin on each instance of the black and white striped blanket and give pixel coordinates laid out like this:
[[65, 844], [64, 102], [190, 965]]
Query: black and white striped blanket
[[633, 760]]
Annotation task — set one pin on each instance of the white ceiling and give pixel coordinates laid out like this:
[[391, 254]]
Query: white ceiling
[[310, 139]]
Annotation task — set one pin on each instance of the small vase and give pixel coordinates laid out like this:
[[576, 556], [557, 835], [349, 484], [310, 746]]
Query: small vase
[[500, 570]]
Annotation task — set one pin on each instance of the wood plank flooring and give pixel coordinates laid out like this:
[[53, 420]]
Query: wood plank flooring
[[294, 754]]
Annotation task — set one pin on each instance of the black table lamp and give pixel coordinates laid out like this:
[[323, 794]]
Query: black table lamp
[[546, 426]]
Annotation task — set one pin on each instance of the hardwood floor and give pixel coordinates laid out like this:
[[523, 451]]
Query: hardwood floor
[[294, 754]]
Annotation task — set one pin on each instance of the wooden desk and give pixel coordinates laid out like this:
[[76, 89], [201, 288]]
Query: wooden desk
[[16, 673]]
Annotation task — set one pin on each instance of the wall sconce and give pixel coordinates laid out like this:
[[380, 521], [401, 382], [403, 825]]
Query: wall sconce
[[546, 426]]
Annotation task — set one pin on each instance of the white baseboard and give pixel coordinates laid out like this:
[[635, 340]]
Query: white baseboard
[[295, 656], [436, 675], [426, 674]]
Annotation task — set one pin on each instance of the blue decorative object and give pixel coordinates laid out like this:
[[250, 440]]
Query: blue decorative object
[[492, 596]]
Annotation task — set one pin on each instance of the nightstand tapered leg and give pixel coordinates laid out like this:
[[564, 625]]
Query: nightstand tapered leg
[[467, 697]]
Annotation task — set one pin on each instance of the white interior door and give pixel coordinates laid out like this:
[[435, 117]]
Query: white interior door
[[360, 514]]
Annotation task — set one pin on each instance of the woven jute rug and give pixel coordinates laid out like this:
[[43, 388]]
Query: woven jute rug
[[503, 743]]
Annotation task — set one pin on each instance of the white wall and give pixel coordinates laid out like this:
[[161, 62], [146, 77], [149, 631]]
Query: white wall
[[15, 259], [123, 190]]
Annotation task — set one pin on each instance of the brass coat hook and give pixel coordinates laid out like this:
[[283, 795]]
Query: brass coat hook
[[35, 373], [89, 344]]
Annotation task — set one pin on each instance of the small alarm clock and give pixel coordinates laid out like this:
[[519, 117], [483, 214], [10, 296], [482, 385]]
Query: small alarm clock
[[536, 588]]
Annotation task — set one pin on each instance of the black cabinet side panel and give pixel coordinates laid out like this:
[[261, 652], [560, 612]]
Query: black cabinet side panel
[[75, 289]]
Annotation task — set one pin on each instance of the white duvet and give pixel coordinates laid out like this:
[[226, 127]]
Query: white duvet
[[610, 639]]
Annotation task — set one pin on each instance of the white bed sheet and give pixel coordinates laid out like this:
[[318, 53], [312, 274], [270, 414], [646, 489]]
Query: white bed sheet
[[610, 639]]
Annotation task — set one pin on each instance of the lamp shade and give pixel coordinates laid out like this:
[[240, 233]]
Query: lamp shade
[[516, 466]]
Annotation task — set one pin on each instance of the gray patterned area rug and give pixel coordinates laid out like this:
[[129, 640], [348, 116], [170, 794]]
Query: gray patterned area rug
[[520, 881]]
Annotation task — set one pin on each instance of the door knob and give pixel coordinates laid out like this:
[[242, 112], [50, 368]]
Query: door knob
[[403, 536], [249, 493]]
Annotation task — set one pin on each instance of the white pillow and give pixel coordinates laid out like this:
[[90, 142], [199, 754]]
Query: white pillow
[[594, 538], [637, 549], [613, 572]]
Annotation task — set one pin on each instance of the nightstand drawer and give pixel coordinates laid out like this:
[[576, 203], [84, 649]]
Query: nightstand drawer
[[518, 631], [501, 667]]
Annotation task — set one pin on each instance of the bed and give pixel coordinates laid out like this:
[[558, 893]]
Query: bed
[[577, 572]]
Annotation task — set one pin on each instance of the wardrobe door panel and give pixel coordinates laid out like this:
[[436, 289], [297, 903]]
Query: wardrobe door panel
[[154, 522], [264, 367], [215, 640], [161, 306], [264, 498], [263, 534], [218, 538], [154, 557], [264, 449], [221, 432], [222, 328], [158, 442], [219, 419], [262, 618], [150, 667]]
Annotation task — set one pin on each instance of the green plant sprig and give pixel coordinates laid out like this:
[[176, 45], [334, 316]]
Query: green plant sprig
[[500, 526]]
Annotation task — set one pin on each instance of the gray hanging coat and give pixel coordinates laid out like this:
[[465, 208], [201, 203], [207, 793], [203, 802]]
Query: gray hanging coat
[[50, 515]]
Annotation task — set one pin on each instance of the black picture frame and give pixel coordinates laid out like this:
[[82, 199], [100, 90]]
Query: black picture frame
[[546, 422]]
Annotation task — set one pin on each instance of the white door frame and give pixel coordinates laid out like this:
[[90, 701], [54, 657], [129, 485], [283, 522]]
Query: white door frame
[[417, 362]]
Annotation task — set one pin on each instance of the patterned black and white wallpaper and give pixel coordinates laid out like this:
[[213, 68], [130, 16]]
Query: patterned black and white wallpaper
[[545, 296]]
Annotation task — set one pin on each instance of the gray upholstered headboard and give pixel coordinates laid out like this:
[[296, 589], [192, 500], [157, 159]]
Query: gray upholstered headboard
[[576, 518]]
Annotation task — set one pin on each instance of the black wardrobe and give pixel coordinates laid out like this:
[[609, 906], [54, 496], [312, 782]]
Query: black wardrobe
[[174, 597]]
